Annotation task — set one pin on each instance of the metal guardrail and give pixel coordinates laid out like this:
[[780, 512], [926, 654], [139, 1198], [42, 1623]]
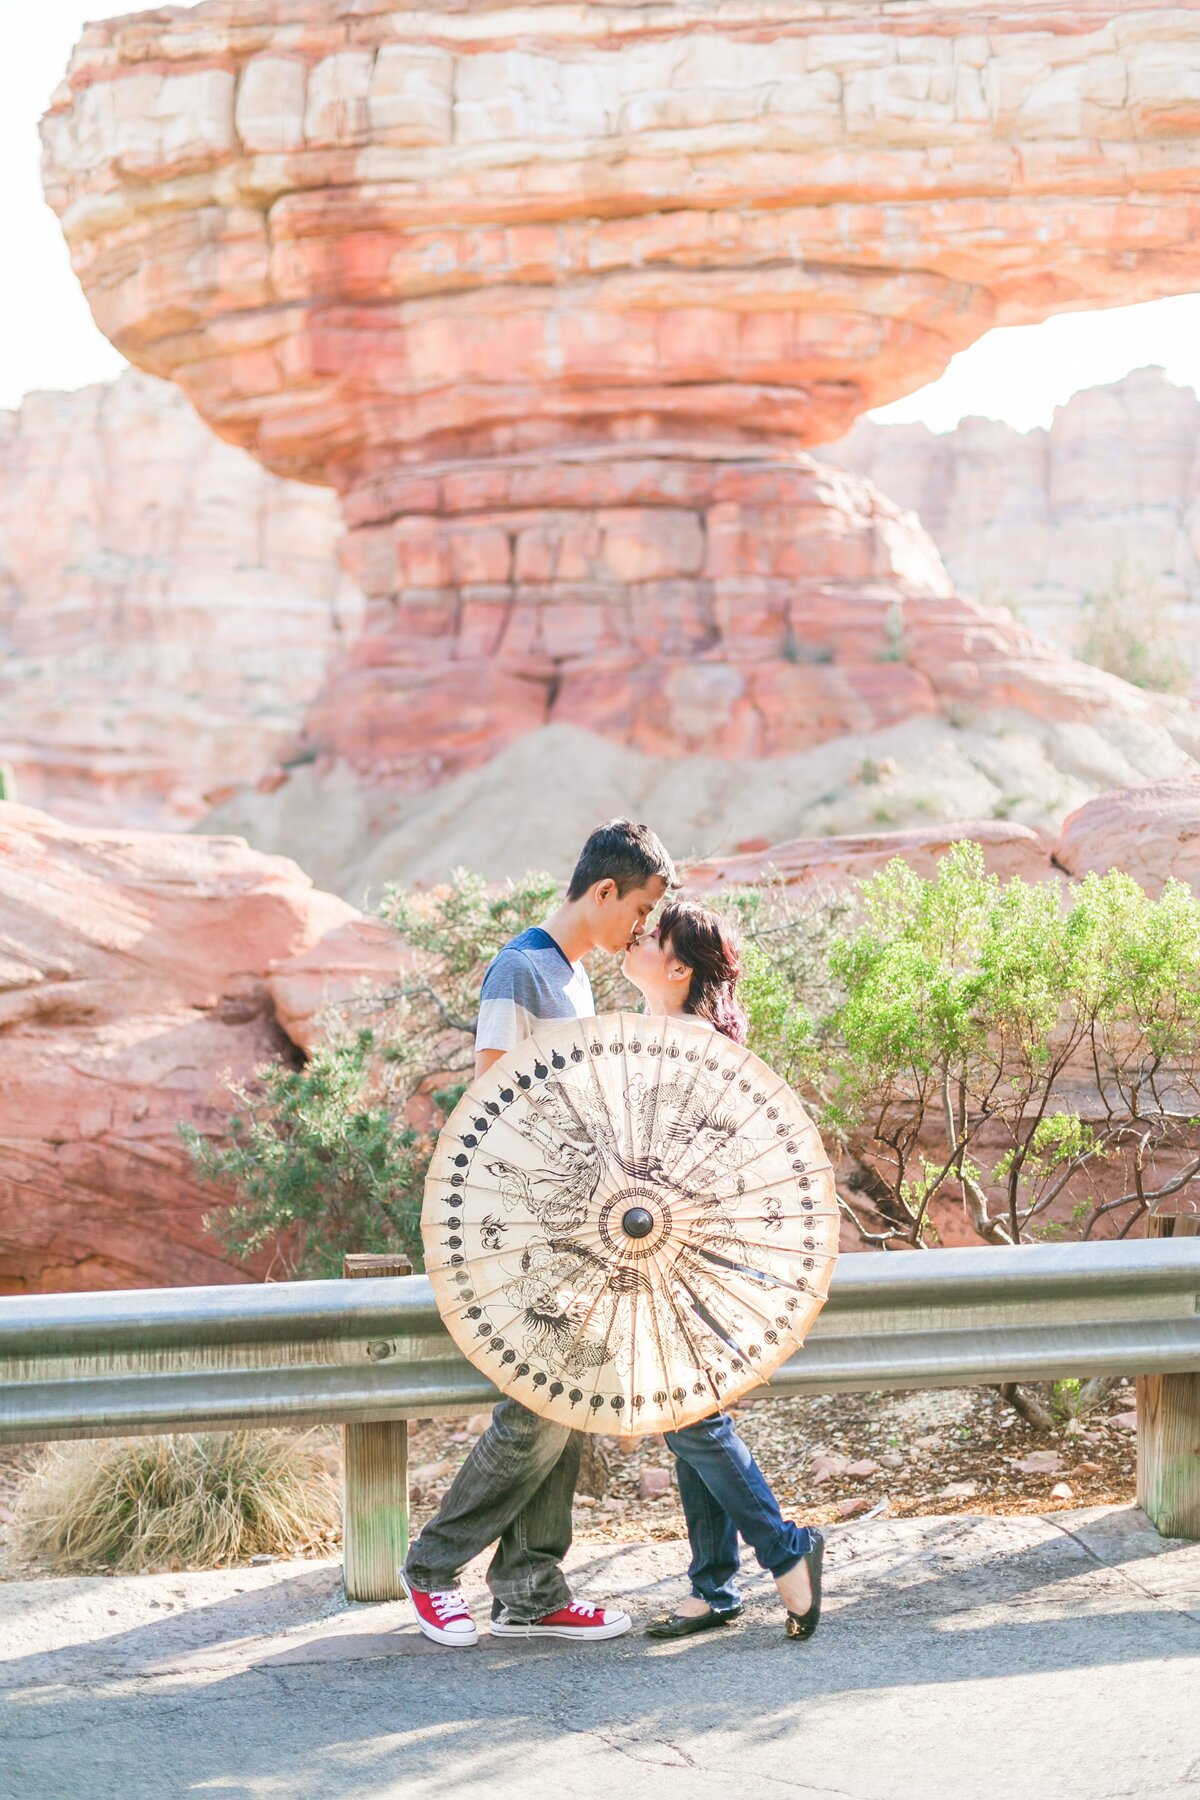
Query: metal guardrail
[[372, 1354], [170, 1359]]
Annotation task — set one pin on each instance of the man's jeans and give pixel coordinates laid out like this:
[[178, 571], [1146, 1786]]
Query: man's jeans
[[724, 1492], [517, 1485]]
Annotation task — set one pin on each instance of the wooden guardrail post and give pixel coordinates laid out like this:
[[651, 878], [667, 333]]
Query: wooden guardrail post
[[1168, 1420], [374, 1480]]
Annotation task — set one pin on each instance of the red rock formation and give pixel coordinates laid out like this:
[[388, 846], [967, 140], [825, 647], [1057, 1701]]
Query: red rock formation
[[1151, 832], [356, 960], [1009, 849], [131, 978], [167, 606], [740, 607], [552, 299]]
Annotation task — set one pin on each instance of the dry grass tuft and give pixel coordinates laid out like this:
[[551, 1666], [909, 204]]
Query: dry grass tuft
[[177, 1502]]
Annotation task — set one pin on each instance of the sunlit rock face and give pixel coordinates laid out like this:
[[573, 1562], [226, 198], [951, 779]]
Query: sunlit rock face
[[132, 983], [826, 864], [743, 607], [1152, 832], [167, 606], [1108, 495], [363, 233], [554, 294]]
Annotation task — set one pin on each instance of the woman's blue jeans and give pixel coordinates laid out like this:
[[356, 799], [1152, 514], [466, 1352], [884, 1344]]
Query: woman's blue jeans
[[724, 1492]]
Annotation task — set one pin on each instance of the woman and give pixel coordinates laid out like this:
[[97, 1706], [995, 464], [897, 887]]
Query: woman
[[688, 967]]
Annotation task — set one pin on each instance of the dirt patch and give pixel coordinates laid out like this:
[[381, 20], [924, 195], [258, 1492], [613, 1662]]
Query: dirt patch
[[925, 770], [938, 1442]]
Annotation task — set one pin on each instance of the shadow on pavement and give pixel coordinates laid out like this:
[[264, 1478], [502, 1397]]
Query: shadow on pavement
[[938, 1573]]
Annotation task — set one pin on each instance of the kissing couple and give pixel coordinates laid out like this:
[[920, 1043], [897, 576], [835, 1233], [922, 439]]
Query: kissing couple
[[516, 1488]]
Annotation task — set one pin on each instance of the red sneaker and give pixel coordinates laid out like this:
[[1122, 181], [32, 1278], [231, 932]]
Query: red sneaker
[[443, 1615], [589, 1623]]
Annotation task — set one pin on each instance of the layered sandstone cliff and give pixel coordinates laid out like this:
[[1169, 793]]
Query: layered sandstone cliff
[[504, 225], [552, 296], [1038, 520], [167, 606]]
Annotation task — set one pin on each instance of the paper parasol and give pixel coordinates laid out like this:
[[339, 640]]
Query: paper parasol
[[628, 1222]]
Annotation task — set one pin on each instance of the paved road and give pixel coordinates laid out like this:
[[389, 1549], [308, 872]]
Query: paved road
[[984, 1659]]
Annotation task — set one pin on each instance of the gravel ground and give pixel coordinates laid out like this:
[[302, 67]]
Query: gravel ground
[[921, 1452], [936, 1452]]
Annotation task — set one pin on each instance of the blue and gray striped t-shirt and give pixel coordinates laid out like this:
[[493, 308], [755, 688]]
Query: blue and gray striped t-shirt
[[532, 978]]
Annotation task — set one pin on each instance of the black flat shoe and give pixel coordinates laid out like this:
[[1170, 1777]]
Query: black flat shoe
[[802, 1625], [677, 1625]]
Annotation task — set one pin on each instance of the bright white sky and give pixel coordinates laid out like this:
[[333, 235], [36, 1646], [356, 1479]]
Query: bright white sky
[[1020, 373], [48, 340]]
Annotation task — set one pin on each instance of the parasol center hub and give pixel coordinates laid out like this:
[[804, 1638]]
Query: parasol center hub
[[637, 1222], [634, 1223]]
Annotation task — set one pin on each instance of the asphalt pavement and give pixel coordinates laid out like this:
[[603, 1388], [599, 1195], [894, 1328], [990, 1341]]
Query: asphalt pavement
[[1019, 1658]]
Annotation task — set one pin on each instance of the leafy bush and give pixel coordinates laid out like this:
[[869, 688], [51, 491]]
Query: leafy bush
[[318, 1162], [787, 987], [895, 639], [177, 1502], [973, 1013]]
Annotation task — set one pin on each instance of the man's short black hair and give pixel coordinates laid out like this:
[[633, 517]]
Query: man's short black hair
[[629, 854]]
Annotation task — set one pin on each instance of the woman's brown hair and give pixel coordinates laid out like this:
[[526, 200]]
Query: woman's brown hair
[[710, 947]]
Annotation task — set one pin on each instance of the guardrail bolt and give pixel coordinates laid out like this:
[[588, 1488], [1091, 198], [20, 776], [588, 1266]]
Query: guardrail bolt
[[375, 1478]]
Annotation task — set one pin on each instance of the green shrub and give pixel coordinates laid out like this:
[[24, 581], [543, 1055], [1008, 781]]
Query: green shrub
[[895, 638], [969, 1007], [787, 988], [318, 1162]]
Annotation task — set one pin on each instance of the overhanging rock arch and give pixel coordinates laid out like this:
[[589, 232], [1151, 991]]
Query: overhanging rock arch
[[555, 295]]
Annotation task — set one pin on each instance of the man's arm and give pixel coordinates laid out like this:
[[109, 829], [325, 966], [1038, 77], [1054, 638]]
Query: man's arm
[[484, 1060]]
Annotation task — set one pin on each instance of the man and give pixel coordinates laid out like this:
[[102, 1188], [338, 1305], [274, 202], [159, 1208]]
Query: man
[[518, 1483]]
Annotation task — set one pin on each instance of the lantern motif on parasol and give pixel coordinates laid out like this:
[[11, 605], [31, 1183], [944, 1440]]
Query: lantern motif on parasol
[[629, 1221]]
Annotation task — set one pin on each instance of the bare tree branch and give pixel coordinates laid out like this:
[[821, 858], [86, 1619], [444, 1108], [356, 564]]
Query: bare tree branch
[[882, 1238], [1171, 1187], [1028, 1405]]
